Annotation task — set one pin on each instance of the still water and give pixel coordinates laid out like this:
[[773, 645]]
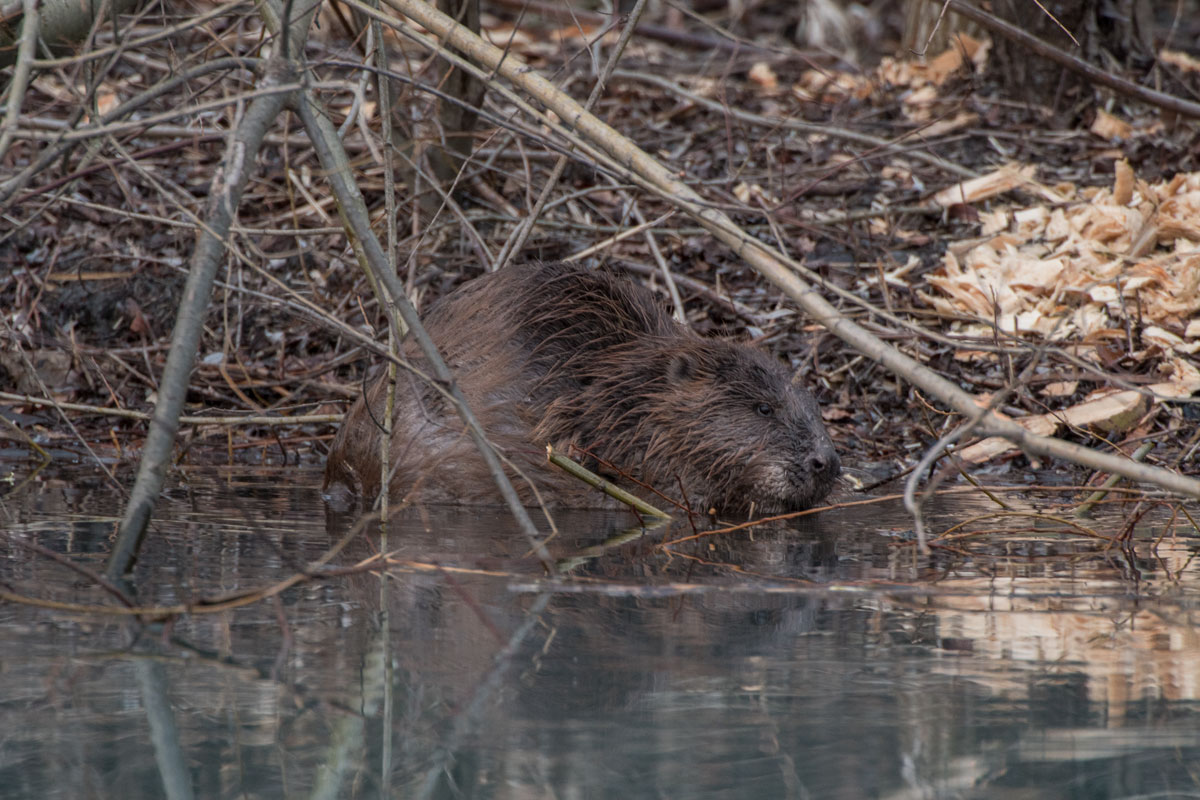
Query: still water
[[818, 660]]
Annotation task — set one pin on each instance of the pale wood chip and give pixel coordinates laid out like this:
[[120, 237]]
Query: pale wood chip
[[1002, 180], [1113, 412], [762, 74], [1106, 126], [963, 119], [1123, 183], [1060, 388], [1180, 60]]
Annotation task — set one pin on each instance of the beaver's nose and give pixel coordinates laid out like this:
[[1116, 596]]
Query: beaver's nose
[[823, 462]]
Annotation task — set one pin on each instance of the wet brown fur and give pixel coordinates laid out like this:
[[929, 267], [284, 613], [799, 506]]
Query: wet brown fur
[[551, 353]]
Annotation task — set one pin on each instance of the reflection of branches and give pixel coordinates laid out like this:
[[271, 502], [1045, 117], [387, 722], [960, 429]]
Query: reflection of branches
[[208, 605], [466, 721], [993, 491], [164, 732], [347, 739], [70, 564]]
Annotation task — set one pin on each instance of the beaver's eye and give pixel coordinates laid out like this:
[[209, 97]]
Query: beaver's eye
[[764, 409]]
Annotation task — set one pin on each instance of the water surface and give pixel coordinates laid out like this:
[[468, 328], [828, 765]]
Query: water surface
[[820, 659]]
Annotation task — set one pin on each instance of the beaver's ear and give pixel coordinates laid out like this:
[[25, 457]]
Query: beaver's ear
[[680, 368]]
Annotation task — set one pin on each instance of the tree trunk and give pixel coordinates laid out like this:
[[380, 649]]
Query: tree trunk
[[1110, 34], [457, 119], [927, 31]]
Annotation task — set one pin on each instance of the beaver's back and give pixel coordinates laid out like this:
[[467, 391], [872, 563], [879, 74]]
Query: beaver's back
[[553, 318]]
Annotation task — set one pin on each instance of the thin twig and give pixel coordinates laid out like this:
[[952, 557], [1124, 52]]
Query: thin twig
[[516, 242]]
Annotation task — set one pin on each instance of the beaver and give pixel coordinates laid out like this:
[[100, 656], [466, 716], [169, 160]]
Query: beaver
[[550, 353]]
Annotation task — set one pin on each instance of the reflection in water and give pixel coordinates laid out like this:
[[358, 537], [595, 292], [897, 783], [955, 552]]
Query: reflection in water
[[814, 661]]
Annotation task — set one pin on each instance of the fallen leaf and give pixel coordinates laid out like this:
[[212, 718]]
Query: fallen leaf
[[51, 371], [944, 65], [1163, 338]]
